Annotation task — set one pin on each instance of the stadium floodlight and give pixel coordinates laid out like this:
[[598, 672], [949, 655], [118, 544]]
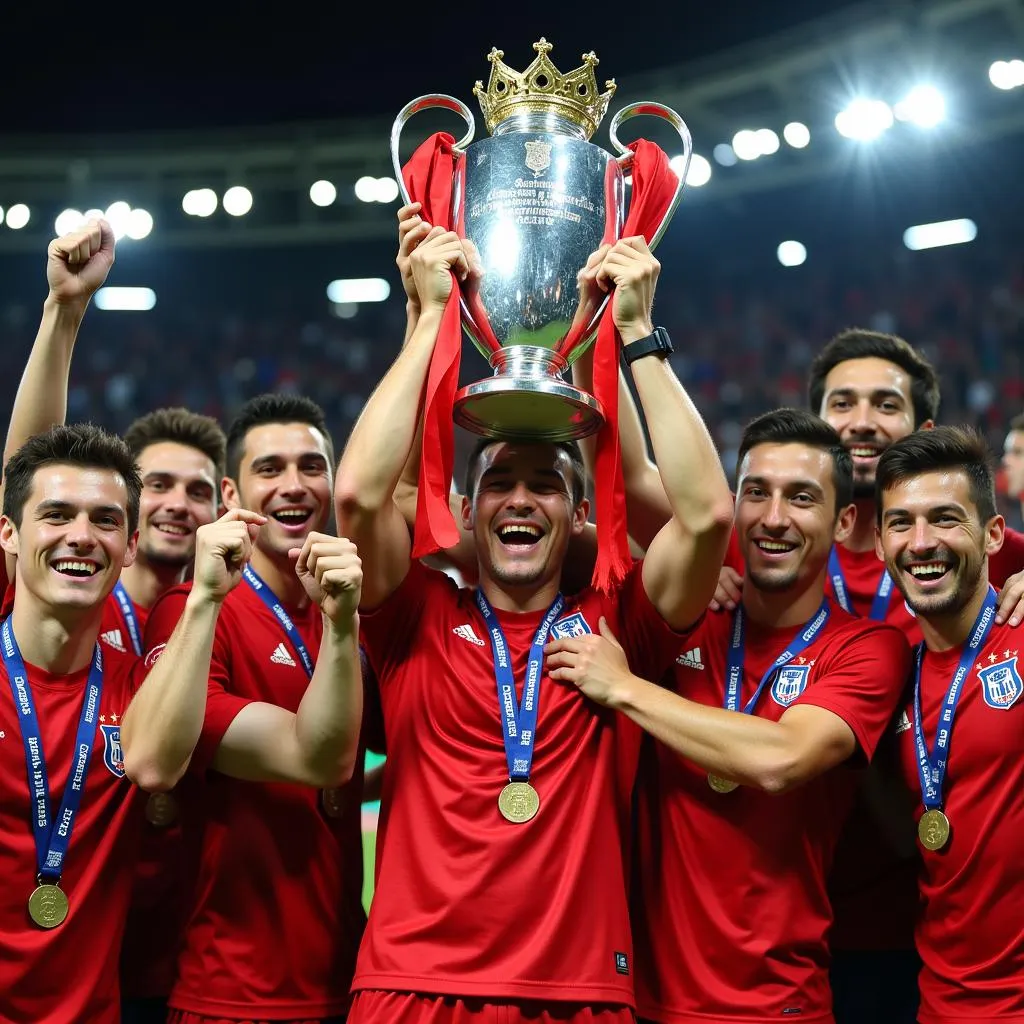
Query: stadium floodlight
[[237, 201], [92, 214], [943, 232], [387, 190], [746, 145], [1007, 74], [67, 221], [17, 216], [791, 253], [796, 134], [699, 172], [117, 215], [924, 106], [864, 120], [358, 289], [724, 155], [130, 299], [322, 193], [140, 224], [366, 189], [767, 141], [199, 202]]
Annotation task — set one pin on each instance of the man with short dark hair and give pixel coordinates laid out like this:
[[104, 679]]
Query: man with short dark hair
[[276, 920], [959, 737], [742, 800], [503, 791], [1013, 460]]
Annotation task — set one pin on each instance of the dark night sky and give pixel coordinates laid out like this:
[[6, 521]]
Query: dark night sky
[[180, 66]]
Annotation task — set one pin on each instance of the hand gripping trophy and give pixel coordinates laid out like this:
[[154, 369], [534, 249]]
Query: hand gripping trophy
[[536, 199]]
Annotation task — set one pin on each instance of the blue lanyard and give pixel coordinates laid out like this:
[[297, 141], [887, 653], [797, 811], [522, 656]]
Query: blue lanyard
[[880, 602], [734, 669], [52, 834], [519, 723], [131, 620], [931, 766], [266, 595]]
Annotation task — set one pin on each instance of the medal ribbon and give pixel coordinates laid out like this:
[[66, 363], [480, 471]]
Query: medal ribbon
[[734, 667], [519, 721], [131, 620], [52, 835], [931, 766], [880, 602], [266, 595]]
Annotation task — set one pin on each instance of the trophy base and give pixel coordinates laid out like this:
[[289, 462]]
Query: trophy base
[[531, 408]]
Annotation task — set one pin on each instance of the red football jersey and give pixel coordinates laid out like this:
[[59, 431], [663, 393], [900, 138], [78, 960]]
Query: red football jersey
[[68, 974], [731, 911], [467, 903], [277, 914], [970, 935]]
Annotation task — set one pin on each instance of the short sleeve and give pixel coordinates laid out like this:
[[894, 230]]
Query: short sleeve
[[650, 643], [221, 706], [862, 679], [388, 630]]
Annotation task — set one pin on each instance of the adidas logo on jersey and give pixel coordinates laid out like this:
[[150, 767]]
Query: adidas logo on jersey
[[903, 724], [466, 632], [281, 656], [112, 638], [691, 659]]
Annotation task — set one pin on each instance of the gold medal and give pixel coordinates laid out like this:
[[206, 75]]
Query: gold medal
[[933, 830], [161, 810], [332, 801], [48, 905], [720, 785], [518, 802]]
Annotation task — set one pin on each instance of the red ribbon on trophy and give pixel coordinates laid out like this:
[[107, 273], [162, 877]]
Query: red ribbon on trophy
[[428, 177]]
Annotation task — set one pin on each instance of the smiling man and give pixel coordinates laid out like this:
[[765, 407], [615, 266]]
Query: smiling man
[[960, 737], [742, 801], [501, 889]]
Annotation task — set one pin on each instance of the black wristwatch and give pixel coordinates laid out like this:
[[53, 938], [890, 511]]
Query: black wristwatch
[[659, 342]]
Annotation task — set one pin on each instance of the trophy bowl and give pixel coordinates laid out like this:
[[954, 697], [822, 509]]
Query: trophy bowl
[[536, 199]]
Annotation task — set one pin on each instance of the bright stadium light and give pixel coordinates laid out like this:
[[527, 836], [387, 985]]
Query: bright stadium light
[[943, 232], [387, 190], [17, 216], [745, 145], [68, 221], [117, 215], [767, 141], [322, 193], [140, 223], [699, 172], [366, 189], [132, 299], [791, 254], [358, 289], [864, 120], [1007, 74], [237, 201], [924, 106], [724, 155], [796, 134], [92, 214], [199, 202]]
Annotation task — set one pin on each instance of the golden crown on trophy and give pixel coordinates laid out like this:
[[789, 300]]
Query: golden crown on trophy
[[542, 88]]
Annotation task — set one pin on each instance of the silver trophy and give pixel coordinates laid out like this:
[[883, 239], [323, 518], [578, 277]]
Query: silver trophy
[[536, 199]]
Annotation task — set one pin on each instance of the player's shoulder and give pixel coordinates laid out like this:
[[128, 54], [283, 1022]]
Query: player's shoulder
[[120, 669], [845, 629]]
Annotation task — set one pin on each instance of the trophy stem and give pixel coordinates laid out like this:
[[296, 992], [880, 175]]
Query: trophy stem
[[527, 399]]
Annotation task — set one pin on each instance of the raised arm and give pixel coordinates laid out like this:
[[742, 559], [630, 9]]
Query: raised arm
[[683, 559], [382, 438]]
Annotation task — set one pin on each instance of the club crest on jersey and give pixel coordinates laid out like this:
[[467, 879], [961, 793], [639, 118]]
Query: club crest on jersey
[[1001, 685], [790, 682], [112, 756], [571, 625]]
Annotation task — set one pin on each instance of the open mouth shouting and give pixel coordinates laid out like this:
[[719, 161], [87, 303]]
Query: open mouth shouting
[[75, 568], [519, 536], [294, 518]]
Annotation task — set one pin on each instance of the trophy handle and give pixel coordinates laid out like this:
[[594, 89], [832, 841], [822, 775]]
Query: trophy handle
[[625, 160], [434, 99]]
